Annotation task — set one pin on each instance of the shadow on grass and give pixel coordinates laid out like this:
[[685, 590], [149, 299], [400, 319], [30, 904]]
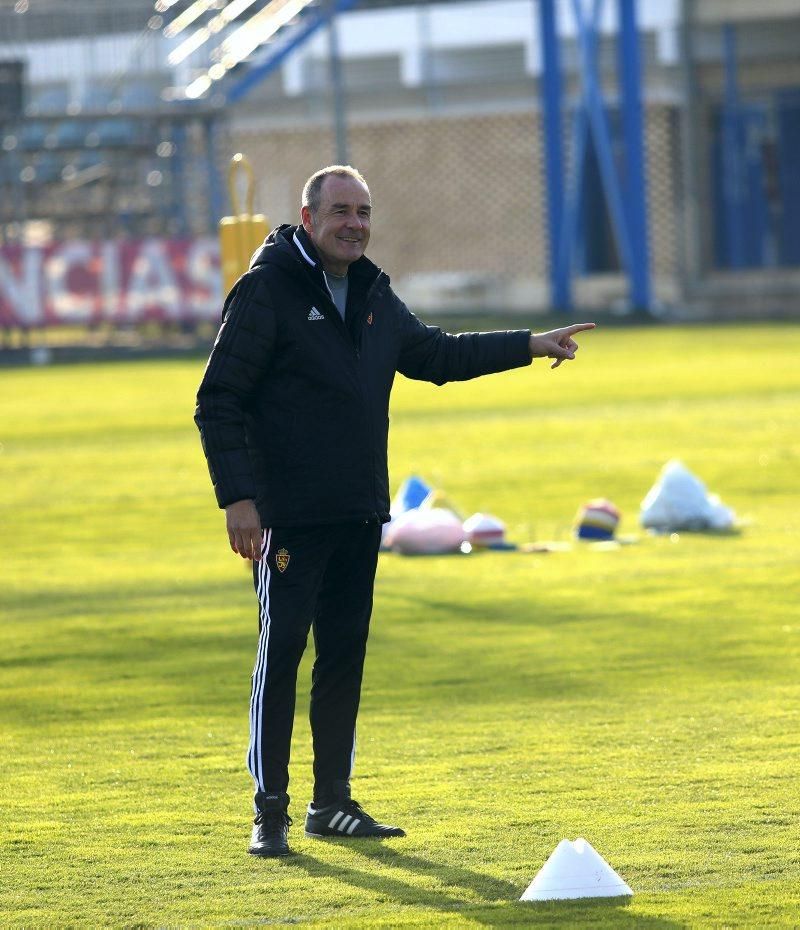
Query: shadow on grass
[[492, 902], [56, 633], [484, 886], [133, 598]]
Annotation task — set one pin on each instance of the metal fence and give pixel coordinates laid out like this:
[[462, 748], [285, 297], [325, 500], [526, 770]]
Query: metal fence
[[522, 154], [743, 145]]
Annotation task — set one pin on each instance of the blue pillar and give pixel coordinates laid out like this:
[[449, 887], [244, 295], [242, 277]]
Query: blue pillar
[[630, 79], [595, 107], [732, 168], [551, 87]]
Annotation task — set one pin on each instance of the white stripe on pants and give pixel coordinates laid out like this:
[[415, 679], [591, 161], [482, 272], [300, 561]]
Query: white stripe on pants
[[254, 762]]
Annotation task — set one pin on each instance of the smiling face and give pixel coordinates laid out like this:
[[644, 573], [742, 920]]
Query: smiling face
[[339, 228]]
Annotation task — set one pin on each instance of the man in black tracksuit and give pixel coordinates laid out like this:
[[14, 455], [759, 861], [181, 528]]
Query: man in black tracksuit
[[293, 414]]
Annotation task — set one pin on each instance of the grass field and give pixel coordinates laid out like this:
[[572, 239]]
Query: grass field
[[645, 698]]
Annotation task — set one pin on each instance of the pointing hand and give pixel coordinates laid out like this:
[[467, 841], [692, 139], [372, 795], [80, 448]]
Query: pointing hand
[[557, 343]]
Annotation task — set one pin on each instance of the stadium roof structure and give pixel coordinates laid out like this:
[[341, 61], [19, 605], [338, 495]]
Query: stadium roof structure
[[37, 20], [230, 32], [56, 19], [203, 40]]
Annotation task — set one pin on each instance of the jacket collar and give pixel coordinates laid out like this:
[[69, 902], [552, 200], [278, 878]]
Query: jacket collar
[[305, 247], [362, 267], [290, 245]]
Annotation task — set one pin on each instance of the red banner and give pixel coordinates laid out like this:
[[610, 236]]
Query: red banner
[[123, 282]]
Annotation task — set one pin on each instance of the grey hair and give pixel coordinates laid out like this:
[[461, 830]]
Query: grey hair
[[312, 189]]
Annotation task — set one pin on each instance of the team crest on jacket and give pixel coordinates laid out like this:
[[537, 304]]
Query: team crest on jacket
[[282, 560], [369, 319]]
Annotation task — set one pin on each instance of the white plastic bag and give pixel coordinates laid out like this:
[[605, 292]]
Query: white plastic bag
[[679, 501]]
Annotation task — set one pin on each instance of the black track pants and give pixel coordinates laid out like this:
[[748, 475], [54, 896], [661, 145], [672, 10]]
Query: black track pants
[[319, 576]]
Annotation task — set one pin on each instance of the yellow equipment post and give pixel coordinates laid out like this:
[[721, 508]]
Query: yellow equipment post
[[240, 235]]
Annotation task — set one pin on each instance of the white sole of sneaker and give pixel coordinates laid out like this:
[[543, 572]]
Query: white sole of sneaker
[[347, 836]]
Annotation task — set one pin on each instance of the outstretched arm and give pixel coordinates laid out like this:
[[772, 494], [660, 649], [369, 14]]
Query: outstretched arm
[[557, 343], [428, 354]]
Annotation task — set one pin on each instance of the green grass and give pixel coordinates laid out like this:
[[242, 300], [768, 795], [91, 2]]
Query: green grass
[[644, 698]]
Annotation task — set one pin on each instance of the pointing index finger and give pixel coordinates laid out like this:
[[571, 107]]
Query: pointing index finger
[[578, 327]]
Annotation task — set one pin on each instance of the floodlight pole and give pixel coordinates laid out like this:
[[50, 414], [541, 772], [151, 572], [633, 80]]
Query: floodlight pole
[[216, 198], [630, 79], [178, 167], [551, 88], [337, 86]]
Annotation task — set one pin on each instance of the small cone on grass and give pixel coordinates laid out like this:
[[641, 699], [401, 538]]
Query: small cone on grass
[[575, 870]]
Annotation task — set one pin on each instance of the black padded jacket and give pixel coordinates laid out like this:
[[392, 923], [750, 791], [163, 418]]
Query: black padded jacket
[[293, 409]]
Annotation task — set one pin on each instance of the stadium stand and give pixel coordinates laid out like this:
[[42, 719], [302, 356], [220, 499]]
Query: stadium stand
[[434, 100]]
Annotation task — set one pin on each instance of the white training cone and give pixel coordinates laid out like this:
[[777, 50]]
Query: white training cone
[[575, 870]]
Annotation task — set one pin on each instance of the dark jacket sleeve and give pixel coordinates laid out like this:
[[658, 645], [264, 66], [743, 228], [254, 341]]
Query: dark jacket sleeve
[[428, 354], [239, 359]]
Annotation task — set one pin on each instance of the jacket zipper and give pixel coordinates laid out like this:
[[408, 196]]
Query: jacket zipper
[[364, 400], [339, 322], [365, 311]]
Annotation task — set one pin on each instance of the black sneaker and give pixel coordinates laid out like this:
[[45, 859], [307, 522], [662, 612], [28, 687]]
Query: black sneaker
[[270, 826], [345, 818]]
